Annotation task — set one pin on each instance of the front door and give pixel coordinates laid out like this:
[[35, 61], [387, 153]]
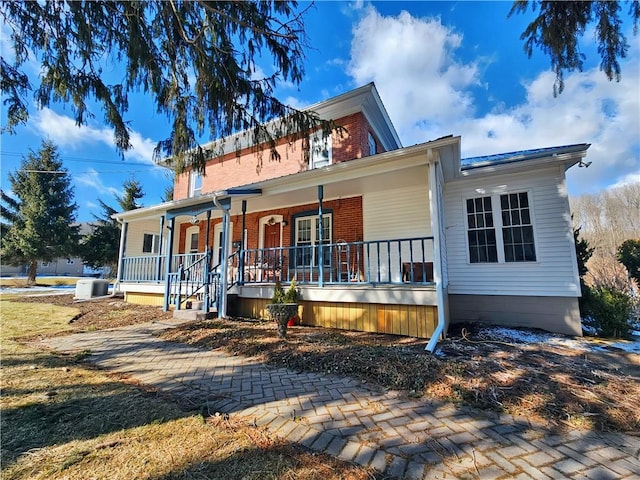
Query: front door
[[271, 258]]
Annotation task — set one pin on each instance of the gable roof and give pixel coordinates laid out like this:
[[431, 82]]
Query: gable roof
[[364, 99]]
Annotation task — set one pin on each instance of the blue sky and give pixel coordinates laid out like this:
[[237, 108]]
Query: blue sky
[[440, 67]]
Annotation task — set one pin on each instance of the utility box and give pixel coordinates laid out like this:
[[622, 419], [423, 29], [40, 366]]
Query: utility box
[[91, 287]]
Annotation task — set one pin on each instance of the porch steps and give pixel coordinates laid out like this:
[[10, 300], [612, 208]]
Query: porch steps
[[195, 315]]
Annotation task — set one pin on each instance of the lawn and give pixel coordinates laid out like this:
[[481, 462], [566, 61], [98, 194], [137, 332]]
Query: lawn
[[62, 419]]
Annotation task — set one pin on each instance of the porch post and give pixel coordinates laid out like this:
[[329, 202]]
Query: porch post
[[123, 239], [167, 279], [242, 240], [320, 225], [159, 260], [224, 266], [207, 266]]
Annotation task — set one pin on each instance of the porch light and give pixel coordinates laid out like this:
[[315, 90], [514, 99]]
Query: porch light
[[194, 220], [271, 221]]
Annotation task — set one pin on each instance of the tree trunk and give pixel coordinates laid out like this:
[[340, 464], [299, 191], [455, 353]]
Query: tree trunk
[[33, 268]]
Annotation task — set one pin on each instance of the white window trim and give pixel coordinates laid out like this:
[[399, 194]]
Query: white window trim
[[314, 240], [187, 241], [155, 243], [316, 144], [195, 177], [373, 145], [496, 210], [217, 230]]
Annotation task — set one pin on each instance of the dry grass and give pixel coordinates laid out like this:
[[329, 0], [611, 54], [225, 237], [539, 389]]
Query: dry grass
[[62, 419]]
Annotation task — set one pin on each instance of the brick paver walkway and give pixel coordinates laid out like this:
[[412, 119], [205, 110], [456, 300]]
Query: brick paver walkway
[[342, 417]]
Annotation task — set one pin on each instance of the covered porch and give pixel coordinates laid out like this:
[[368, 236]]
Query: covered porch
[[363, 249]]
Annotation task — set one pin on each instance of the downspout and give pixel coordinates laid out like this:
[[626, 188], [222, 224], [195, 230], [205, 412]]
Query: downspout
[[222, 296], [434, 202]]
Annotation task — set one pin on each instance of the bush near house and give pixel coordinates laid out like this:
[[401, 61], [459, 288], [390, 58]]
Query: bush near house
[[608, 311]]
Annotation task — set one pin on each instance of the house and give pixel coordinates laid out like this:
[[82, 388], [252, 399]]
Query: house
[[378, 237]]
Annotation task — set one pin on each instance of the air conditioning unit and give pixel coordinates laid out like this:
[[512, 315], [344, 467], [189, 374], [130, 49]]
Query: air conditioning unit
[[91, 287]]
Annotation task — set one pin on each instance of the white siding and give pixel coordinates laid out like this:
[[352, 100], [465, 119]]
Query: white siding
[[398, 213], [135, 236], [554, 272]]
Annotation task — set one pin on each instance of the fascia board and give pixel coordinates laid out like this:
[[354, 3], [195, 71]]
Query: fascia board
[[567, 160]]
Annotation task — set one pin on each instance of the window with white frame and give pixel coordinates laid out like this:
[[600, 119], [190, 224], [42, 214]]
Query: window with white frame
[[307, 236], [319, 150], [195, 184], [481, 233], [517, 229], [150, 243], [70, 261], [194, 240], [500, 229], [372, 144]]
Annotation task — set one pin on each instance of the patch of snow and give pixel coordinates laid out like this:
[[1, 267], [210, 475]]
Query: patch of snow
[[629, 346], [37, 290], [523, 336]]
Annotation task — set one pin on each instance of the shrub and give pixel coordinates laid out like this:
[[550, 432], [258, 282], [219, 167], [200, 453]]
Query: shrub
[[609, 311]]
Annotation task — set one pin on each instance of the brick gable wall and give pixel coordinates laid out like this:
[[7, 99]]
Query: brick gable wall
[[250, 167]]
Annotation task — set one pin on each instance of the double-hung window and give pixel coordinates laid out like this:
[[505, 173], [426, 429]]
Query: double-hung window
[[481, 232], [319, 150], [500, 229], [195, 184], [150, 243], [517, 230], [307, 238]]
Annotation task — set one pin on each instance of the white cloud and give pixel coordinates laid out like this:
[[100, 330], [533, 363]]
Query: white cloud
[[91, 178], [63, 131], [428, 94], [413, 64]]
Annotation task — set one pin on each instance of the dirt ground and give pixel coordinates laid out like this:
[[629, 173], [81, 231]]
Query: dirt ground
[[566, 388]]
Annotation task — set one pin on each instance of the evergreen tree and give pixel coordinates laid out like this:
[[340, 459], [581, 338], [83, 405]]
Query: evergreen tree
[[629, 256], [197, 60], [558, 26], [100, 248], [38, 224]]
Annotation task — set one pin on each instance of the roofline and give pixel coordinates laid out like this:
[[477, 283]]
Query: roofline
[[324, 106], [515, 157], [342, 171]]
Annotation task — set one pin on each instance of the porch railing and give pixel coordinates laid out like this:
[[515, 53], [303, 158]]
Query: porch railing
[[399, 261]]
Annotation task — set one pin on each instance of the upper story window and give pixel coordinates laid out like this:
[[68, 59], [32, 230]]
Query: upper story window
[[150, 243], [501, 235], [372, 144], [319, 150], [195, 184]]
